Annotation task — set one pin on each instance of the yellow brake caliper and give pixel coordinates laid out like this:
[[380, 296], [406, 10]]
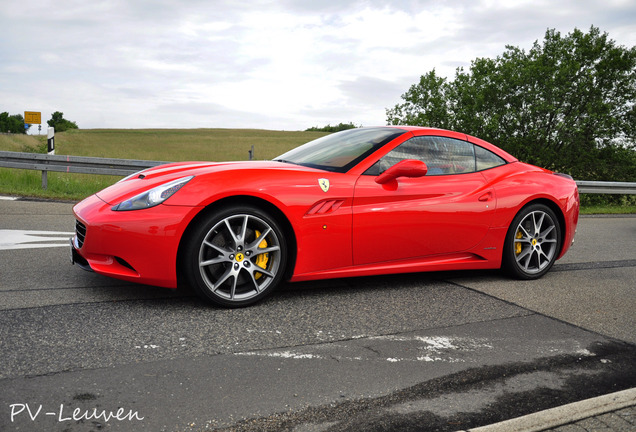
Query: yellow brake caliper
[[261, 259], [518, 244]]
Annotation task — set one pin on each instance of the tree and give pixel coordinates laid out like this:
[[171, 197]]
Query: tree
[[60, 123], [337, 128], [568, 104], [12, 123]]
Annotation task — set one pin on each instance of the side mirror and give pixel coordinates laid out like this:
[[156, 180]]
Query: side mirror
[[407, 168]]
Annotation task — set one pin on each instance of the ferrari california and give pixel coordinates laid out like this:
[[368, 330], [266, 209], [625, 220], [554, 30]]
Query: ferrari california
[[361, 202]]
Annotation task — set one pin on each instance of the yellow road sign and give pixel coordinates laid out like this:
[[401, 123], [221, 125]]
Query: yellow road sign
[[32, 117]]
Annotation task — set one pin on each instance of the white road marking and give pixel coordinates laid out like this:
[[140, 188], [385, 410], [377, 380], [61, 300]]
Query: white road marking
[[6, 198], [421, 349], [20, 239], [414, 348], [282, 354]]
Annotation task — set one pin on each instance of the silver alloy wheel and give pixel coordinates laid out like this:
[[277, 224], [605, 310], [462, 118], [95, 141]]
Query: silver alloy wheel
[[535, 242], [239, 257]]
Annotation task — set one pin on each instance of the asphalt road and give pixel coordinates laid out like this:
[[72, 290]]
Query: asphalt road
[[440, 351]]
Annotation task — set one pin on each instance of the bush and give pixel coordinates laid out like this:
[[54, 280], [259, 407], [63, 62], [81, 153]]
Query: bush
[[337, 128]]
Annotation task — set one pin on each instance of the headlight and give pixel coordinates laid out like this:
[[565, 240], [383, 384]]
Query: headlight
[[152, 197]]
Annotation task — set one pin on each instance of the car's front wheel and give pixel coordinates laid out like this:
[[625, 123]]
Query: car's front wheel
[[532, 243], [236, 257]]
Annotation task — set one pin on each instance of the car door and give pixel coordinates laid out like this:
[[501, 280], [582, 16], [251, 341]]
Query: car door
[[448, 210]]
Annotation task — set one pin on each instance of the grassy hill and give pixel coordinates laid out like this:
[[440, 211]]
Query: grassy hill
[[146, 144], [165, 144]]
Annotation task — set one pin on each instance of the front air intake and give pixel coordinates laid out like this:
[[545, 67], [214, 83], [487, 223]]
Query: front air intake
[[80, 233]]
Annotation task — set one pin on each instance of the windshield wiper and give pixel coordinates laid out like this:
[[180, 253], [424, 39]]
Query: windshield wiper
[[285, 161]]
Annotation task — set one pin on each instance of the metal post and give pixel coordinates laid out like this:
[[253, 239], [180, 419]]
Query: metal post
[[45, 179], [51, 141]]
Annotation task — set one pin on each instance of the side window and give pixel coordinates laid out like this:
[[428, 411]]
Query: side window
[[440, 154], [486, 159]]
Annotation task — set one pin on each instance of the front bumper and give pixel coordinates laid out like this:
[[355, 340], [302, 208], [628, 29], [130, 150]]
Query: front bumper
[[76, 258], [138, 246]]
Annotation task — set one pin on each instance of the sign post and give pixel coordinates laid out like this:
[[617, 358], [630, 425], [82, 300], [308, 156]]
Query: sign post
[[50, 143], [31, 118]]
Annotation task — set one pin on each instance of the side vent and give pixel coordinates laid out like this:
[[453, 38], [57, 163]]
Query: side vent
[[325, 207]]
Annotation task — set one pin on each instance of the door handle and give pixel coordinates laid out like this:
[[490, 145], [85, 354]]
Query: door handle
[[486, 197]]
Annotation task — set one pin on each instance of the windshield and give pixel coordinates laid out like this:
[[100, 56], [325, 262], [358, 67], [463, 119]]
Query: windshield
[[342, 150]]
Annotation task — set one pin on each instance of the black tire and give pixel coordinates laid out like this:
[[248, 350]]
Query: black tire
[[236, 256], [533, 242]]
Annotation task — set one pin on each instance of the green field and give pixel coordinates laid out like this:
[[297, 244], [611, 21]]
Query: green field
[[145, 144]]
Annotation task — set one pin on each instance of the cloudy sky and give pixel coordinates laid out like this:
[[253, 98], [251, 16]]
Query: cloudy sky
[[284, 65]]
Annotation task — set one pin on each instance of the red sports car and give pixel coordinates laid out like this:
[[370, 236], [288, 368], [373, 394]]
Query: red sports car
[[361, 202]]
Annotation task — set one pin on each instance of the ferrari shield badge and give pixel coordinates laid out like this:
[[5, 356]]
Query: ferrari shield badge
[[324, 184]]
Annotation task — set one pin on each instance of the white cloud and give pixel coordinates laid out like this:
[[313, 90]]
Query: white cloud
[[279, 65]]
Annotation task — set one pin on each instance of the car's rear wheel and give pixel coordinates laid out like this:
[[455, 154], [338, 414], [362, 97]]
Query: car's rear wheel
[[532, 243], [236, 257]]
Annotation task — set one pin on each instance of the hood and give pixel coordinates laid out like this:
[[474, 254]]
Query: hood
[[149, 178]]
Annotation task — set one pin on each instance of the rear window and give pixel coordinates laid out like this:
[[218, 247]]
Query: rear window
[[486, 159]]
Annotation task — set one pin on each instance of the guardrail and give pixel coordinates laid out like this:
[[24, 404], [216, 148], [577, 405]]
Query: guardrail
[[72, 164], [123, 167], [603, 187]]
